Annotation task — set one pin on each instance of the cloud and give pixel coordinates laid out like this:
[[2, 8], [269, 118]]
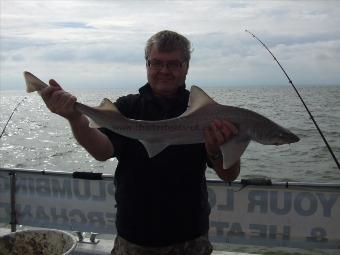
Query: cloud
[[105, 39]]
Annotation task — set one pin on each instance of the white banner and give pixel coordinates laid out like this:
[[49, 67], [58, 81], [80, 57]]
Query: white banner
[[60, 201], [275, 215]]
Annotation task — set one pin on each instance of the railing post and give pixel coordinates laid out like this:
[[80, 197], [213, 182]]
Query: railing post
[[13, 208]]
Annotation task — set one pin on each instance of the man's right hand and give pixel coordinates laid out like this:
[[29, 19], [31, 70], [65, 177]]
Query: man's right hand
[[59, 101]]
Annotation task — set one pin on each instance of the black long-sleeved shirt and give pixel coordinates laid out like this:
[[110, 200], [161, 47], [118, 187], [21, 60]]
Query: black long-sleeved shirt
[[161, 200]]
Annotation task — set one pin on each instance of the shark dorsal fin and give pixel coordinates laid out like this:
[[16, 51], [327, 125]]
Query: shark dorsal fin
[[197, 99], [107, 105]]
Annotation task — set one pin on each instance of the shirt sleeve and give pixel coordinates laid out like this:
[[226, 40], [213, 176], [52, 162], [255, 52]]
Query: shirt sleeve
[[118, 141]]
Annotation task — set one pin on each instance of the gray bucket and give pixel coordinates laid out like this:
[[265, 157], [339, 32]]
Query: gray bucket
[[42, 242]]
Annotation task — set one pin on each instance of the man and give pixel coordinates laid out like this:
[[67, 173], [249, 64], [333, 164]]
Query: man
[[162, 202]]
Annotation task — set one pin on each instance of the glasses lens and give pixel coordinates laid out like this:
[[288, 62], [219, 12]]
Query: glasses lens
[[158, 65], [174, 65]]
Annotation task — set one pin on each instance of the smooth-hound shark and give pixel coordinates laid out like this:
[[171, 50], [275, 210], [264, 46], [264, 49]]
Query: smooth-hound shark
[[186, 128]]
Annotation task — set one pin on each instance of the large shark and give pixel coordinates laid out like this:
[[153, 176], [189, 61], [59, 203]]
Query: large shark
[[186, 128]]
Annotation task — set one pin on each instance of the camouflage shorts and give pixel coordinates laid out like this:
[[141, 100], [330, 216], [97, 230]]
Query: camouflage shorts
[[198, 246]]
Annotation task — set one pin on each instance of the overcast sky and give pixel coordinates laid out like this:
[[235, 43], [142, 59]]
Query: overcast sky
[[100, 44]]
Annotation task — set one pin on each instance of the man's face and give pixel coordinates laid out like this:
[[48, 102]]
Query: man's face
[[166, 77]]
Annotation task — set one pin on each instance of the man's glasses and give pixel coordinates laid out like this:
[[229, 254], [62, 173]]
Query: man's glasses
[[174, 65]]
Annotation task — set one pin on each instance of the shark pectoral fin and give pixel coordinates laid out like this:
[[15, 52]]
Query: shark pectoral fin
[[93, 124], [233, 150], [153, 148]]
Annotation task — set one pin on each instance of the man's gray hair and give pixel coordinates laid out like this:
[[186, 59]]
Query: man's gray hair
[[168, 41]]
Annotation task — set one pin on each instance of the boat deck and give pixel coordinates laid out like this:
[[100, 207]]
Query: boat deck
[[104, 247]]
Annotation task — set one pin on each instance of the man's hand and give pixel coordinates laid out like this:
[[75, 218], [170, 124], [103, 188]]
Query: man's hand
[[219, 132], [59, 101]]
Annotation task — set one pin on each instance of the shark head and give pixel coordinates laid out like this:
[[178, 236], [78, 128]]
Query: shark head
[[274, 134]]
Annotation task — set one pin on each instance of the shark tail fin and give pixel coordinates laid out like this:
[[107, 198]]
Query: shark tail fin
[[33, 83]]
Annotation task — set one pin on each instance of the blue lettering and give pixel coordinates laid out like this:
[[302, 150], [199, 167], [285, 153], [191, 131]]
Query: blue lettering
[[260, 231], [76, 213], [318, 235], [236, 230], [101, 192], [43, 187], [96, 218], [82, 192], [61, 188], [327, 204], [274, 233], [4, 184], [59, 216], [258, 199], [211, 197], [229, 205], [311, 204], [274, 203], [220, 226]]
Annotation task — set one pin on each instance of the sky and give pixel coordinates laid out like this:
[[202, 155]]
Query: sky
[[100, 44]]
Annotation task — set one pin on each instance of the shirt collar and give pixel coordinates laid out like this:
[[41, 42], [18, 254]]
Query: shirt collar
[[182, 93]]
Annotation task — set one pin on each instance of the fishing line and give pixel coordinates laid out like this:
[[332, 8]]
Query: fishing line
[[303, 102], [10, 117]]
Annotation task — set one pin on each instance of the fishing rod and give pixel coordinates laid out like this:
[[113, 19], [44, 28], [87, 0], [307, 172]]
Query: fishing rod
[[303, 102], [10, 117]]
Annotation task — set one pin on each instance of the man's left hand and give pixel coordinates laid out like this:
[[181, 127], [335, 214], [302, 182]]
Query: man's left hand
[[219, 132]]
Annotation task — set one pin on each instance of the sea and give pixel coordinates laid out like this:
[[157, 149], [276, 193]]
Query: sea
[[35, 138]]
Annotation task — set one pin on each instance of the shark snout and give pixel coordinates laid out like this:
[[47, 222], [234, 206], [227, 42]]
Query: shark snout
[[294, 138], [287, 137]]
